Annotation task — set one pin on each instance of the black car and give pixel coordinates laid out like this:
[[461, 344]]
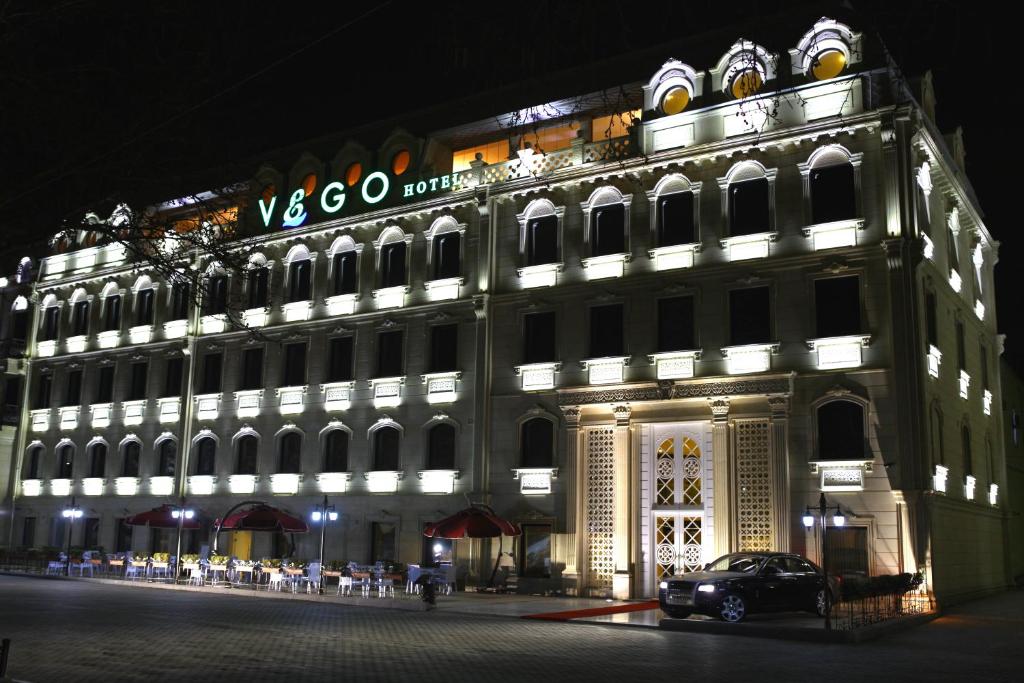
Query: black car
[[738, 584]]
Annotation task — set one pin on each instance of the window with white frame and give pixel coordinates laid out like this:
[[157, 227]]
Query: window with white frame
[[300, 275], [167, 457], [131, 452], [445, 238], [205, 455], [393, 258], [441, 447], [335, 453], [540, 224], [748, 200], [344, 267], [247, 448], [258, 283], [386, 445], [830, 185], [607, 226], [111, 305], [841, 431], [289, 453], [79, 313], [50, 319], [537, 443]]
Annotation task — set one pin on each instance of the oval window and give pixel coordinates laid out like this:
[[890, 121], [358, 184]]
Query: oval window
[[400, 162], [828, 64], [746, 84], [675, 100], [353, 174], [309, 184], [268, 193]]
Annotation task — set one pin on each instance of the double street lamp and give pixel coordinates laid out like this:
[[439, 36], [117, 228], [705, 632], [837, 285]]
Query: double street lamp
[[839, 521], [70, 513], [323, 514]]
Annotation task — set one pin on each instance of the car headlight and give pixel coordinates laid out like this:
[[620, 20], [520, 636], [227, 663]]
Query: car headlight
[[706, 588], [663, 585]]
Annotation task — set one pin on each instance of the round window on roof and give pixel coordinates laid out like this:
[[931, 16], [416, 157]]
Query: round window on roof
[[746, 83], [400, 162], [309, 184], [675, 100], [828, 64], [353, 173]]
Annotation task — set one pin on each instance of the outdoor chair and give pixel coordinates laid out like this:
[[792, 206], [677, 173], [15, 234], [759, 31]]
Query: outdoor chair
[[275, 580], [84, 564], [363, 581], [135, 570], [385, 587], [312, 578], [414, 573], [195, 574], [345, 585], [56, 566], [445, 580]]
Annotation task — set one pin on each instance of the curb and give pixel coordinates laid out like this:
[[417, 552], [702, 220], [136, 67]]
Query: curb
[[799, 634]]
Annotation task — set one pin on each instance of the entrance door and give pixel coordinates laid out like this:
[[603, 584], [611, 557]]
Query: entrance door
[[678, 484], [241, 544]]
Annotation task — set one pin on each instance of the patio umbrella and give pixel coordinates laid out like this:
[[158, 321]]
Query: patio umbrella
[[263, 518], [162, 518], [476, 521]]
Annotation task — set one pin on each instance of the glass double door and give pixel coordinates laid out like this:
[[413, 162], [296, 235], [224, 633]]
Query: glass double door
[[678, 485]]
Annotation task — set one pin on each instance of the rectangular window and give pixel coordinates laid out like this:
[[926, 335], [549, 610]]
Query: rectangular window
[[750, 316], [837, 306], [848, 551], [51, 318], [140, 375], [215, 298], [105, 385], [91, 533], [80, 318], [73, 396], [212, 363], [491, 153], [961, 351], [539, 338], [392, 264], [172, 377], [28, 533], [608, 230], [983, 355], [383, 541], [112, 313], [12, 394], [444, 348], [676, 324], [122, 536], [552, 138], [252, 368], [389, 354], [340, 361], [951, 251], [832, 193], [542, 240], [144, 307], [300, 280], [294, 370], [606, 333], [180, 294], [447, 255], [931, 319], [43, 389], [346, 278], [749, 207], [675, 219], [613, 125]]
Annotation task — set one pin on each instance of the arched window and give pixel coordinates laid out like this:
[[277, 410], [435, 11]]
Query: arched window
[[258, 284], [130, 452], [33, 459], [144, 306], [300, 273], [215, 291], [98, 460], [167, 456], [206, 455], [65, 462], [344, 267], [290, 453], [841, 431], [445, 248], [832, 185], [336, 451], [247, 454], [19, 319], [537, 443], [606, 209], [79, 313], [181, 293], [386, 441], [392, 258], [110, 300], [441, 447], [675, 211], [749, 200], [51, 319], [965, 441]]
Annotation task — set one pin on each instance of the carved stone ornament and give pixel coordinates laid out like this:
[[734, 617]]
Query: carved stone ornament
[[622, 413], [719, 409], [572, 414]]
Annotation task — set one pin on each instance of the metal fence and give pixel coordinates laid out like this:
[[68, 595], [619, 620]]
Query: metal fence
[[850, 614]]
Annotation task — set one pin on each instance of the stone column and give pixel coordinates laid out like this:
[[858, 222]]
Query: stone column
[[573, 473], [723, 477], [779, 455], [622, 579]]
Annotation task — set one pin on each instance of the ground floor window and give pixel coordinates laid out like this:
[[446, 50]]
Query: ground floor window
[[847, 551], [91, 533], [28, 533], [535, 551], [382, 541], [58, 532], [122, 536], [160, 541]]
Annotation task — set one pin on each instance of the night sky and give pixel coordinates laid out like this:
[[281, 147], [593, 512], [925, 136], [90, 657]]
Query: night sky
[[154, 100]]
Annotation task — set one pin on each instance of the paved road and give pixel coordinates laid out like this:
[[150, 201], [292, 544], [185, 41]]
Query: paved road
[[77, 631]]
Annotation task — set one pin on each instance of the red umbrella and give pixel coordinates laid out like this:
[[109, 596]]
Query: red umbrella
[[478, 521], [264, 518], [162, 518]]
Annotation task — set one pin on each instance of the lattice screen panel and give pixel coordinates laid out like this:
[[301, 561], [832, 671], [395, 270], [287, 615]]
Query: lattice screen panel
[[753, 486], [600, 507]]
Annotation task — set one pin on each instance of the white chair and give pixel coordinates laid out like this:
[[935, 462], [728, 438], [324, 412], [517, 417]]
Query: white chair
[[132, 572], [276, 581], [56, 566], [384, 587], [445, 579], [345, 585], [414, 573], [312, 578], [195, 575]]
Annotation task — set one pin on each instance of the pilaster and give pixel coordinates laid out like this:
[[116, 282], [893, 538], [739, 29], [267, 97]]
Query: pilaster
[[573, 473], [622, 579], [779, 454], [724, 540]]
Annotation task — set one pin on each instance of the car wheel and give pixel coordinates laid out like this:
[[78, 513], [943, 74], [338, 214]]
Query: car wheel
[[676, 613], [819, 603], [733, 608]]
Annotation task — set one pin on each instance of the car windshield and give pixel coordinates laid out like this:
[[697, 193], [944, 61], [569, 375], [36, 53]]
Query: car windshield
[[745, 564]]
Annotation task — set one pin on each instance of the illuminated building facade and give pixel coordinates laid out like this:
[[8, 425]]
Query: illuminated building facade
[[650, 336]]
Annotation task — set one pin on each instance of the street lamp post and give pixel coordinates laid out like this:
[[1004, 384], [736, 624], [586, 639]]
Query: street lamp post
[[838, 520], [180, 513], [322, 514], [70, 513]]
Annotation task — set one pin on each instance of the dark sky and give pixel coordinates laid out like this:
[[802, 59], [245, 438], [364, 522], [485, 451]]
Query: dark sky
[[125, 99]]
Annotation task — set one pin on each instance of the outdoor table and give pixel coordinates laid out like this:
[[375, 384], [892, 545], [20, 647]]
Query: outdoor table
[[158, 568], [325, 573], [243, 570], [293, 575], [214, 569], [116, 566], [138, 568], [195, 572]]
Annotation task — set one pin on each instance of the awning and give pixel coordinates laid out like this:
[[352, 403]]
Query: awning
[[162, 518], [263, 518], [478, 521]]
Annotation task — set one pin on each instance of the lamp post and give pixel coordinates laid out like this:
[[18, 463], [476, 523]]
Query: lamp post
[[180, 513], [70, 513], [838, 520], [321, 515]]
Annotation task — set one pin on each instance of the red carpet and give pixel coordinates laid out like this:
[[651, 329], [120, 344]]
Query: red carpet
[[594, 611]]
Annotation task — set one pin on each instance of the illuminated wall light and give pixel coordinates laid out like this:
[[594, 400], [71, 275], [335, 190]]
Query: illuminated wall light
[[545, 275], [678, 365], [140, 334], [390, 297], [965, 384], [605, 370], [255, 317], [444, 290], [100, 414], [242, 483], [969, 485], [93, 486], [750, 358], [290, 400], [45, 349], [673, 257], [169, 409], [108, 339], [839, 352], [441, 387], [31, 487], [538, 376], [161, 486], [207, 406], [836, 234], [438, 481], [248, 402], [603, 267], [535, 481], [387, 392], [60, 487], [934, 360], [979, 310], [341, 304], [213, 324], [175, 329], [993, 494], [382, 481], [69, 418], [747, 247], [954, 281], [835, 478], [133, 411], [337, 395], [986, 402], [201, 484], [297, 311], [75, 344], [126, 486], [40, 420], [928, 248], [940, 478], [333, 482]]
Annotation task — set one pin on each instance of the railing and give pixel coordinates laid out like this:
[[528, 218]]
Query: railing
[[28, 562], [880, 598]]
